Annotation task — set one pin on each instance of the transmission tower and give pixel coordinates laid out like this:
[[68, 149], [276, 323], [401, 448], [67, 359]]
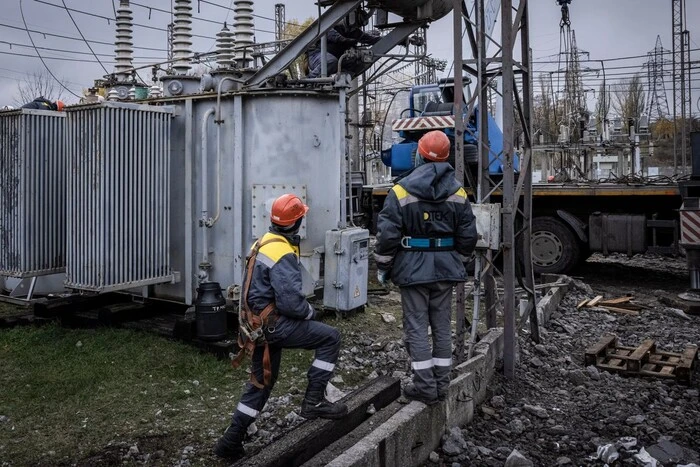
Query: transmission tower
[[681, 81], [421, 50], [574, 99], [279, 25], [658, 102]]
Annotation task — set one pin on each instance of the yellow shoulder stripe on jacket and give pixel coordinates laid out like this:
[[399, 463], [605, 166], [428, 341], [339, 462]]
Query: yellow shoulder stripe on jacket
[[400, 191], [276, 250], [461, 192]]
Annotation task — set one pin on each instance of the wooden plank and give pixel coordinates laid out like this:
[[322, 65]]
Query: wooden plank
[[615, 362], [624, 306], [685, 366], [311, 437], [593, 352], [667, 370], [656, 374], [582, 303], [621, 311], [595, 301], [641, 355], [616, 301], [660, 360]]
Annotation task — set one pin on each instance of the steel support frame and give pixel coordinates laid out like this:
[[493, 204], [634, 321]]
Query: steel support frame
[[516, 204], [303, 41]]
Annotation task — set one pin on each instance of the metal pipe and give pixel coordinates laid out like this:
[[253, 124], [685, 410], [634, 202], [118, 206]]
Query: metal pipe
[[204, 266], [188, 203], [324, 51], [343, 111], [218, 120]]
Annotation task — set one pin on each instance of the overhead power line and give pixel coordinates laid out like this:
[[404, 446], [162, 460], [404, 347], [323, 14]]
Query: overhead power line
[[81, 35], [145, 26], [65, 59], [92, 41], [21, 10], [629, 57], [52, 49]]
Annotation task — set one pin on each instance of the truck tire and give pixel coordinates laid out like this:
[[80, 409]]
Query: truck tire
[[555, 248]]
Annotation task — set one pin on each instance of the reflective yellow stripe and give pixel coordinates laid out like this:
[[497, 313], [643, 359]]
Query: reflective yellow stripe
[[276, 250], [400, 192], [461, 192]]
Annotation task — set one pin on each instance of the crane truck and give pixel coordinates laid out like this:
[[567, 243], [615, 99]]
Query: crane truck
[[571, 220]]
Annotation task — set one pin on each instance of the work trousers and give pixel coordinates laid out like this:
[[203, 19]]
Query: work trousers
[[315, 64], [429, 305], [290, 334]]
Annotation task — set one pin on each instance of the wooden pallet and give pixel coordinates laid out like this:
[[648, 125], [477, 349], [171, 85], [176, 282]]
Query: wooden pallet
[[643, 360]]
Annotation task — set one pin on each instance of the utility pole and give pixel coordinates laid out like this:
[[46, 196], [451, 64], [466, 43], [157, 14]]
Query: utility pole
[[460, 299], [279, 25], [516, 206], [681, 82]]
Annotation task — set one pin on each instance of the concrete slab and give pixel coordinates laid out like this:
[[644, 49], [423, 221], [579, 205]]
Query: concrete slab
[[405, 439], [312, 437]]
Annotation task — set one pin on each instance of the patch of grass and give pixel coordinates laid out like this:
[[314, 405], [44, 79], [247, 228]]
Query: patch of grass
[[7, 309], [70, 393]]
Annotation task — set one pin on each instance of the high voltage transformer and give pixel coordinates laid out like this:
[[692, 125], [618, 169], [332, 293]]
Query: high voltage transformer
[[156, 196]]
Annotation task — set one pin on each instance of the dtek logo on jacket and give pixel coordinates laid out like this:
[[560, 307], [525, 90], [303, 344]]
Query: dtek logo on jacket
[[435, 216]]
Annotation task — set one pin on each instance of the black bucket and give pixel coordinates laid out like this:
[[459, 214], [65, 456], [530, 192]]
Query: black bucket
[[210, 312]]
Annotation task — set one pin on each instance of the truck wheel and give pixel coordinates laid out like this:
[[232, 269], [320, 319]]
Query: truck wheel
[[555, 249]]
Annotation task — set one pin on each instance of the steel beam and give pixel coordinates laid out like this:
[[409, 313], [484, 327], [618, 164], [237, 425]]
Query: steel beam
[[509, 206], [303, 41], [459, 159]]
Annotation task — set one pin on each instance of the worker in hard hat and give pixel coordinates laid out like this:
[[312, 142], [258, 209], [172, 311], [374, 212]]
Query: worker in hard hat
[[426, 232], [341, 38], [41, 103], [272, 298]]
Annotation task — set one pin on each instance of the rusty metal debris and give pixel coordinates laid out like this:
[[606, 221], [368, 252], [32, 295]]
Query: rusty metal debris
[[643, 360]]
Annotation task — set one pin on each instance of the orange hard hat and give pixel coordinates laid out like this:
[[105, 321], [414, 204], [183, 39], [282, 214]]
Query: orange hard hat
[[287, 209], [434, 146], [60, 105]]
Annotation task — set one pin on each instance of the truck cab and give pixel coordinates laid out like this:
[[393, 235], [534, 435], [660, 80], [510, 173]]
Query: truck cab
[[431, 107]]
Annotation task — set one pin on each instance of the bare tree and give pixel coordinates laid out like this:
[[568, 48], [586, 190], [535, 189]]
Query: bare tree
[[630, 99], [38, 84], [292, 29], [544, 115], [602, 107]]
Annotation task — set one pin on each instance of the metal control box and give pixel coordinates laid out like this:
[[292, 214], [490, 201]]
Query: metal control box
[[488, 225], [346, 268]]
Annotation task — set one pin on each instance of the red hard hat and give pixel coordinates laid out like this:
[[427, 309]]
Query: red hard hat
[[434, 146], [60, 105], [287, 209]]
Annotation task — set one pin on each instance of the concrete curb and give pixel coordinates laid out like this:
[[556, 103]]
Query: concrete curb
[[408, 437]]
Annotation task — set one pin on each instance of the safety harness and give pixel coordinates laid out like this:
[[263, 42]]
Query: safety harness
[[251, 324], [428, 243]]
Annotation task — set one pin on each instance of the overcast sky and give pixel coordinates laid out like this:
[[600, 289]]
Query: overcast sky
[[604, 28]]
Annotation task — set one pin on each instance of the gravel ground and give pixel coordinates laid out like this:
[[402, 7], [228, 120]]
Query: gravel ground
[[559, 412]]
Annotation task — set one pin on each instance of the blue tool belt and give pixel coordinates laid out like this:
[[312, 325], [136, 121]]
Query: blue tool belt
[[428, 243]]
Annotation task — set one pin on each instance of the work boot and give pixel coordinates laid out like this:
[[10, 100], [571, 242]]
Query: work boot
[[230, 446], [323, 409], [410, 392]]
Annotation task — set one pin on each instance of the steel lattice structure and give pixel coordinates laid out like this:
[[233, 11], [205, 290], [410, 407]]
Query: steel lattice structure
[[658, 102], [279, 24], [681, 82], [516, 195]]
